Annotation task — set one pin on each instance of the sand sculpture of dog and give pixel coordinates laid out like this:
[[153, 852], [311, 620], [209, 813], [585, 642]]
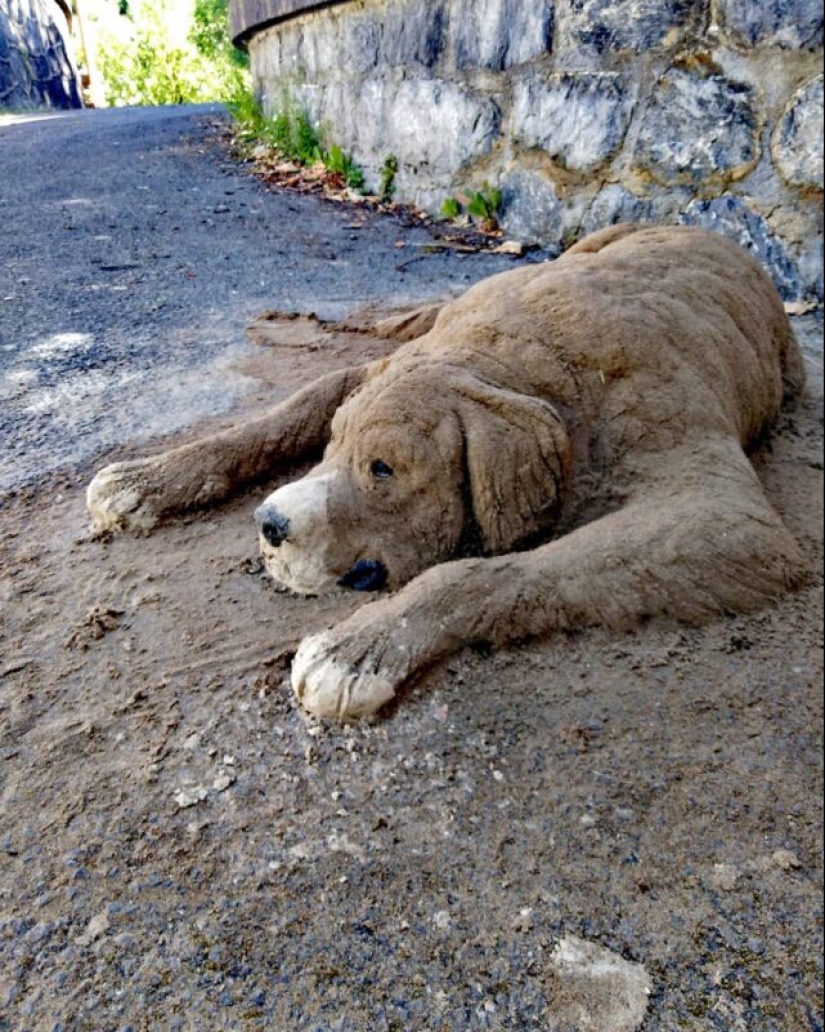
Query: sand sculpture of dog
[[563, 446]]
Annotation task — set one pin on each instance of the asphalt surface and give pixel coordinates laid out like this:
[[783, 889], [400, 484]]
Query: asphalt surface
[[133, 254]]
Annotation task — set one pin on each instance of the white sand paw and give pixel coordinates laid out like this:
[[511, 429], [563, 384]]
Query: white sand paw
[[118, 497], [327, 688]]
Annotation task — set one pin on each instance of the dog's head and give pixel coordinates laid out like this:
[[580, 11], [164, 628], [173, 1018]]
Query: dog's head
[[425, 462]]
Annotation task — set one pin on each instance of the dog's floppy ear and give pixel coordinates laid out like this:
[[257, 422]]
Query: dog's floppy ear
[[517, 456]]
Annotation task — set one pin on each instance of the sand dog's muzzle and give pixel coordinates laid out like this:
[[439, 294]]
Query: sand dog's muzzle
[[299, 548]]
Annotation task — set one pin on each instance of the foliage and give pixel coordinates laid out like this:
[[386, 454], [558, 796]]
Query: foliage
[[342, 164], [484, 205], [247, 113], [210, 33], [292, 134], [388, 174], [451, 208], [152, 64]]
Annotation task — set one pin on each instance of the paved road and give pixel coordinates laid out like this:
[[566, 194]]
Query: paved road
[[133, 253]]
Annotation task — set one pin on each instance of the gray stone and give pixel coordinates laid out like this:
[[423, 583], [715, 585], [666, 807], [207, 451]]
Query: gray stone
[[809, 332], [307, 51], [730, 216], [458, 35], [411, 34], [579, 120], [795, 24], [810, 264], [797, 142], [432, 127], [496, 34], [36, 66], [532, 211], [619, 25], [697, 127], [615, 204]]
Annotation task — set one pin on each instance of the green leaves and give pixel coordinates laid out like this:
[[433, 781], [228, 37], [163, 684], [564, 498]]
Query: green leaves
[[339, 163], [388, 173], [483, 205], [451, 208], [153, 59], [292, 134]]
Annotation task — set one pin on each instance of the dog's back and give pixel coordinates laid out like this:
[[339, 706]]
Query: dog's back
[[670, 328]]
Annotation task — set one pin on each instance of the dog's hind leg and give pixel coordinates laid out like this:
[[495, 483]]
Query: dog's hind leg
[[701, 542], [138, 494]]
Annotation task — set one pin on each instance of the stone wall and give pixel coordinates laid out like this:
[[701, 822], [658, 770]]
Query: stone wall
[[584, 112], [36, 69]]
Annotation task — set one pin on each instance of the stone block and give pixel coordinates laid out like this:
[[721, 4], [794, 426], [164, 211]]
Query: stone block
[[497, 34], [312, 49], [731, 216], [412, 33], [623, 25], [534, 212], [795, 24], [531, 209], [797, 145], [578, 119], [616, 204], [433, 128], [698, 127], [454, 35], [36, 68]]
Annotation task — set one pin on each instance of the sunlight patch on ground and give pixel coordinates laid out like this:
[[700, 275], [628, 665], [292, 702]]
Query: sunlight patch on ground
[[62, 344], [28, 116], [70, 397]]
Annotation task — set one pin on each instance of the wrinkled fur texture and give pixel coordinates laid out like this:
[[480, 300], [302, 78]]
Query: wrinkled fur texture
[[567, 446]]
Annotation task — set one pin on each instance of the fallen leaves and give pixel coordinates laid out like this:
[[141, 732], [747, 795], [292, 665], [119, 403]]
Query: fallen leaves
[[318, 179]]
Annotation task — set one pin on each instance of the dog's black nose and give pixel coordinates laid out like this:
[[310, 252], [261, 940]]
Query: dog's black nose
[[368, 575], [272, 525]]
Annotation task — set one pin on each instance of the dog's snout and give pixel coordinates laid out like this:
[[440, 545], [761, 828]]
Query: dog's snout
[[272, 524]]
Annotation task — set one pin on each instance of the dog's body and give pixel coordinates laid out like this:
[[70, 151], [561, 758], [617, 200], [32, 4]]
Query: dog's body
[[607, 398]]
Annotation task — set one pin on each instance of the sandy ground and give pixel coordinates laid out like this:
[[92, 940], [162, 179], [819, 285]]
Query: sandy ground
[[180, 848]]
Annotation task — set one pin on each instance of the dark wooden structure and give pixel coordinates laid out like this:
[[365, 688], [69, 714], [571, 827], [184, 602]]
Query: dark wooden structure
[[249, 16]]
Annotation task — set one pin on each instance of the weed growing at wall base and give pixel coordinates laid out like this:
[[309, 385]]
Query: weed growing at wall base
[[388, 174], [482, 205], [294, 137]]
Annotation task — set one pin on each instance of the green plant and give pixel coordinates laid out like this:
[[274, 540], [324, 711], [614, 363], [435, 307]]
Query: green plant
[[305, 140], [355, 179], [155, 59], [246, 111], [451, 208], [389, 171], [485, 205], [209, 33], [339, 163], [292, 134]]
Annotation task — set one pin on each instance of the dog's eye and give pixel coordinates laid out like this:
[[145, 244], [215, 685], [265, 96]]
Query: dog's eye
[[380, 470]]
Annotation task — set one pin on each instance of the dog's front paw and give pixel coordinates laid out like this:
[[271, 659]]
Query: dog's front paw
[[328, 686], [121, 496]]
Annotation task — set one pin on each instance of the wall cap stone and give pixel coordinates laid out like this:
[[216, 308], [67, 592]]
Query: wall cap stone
[[247, 17]]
